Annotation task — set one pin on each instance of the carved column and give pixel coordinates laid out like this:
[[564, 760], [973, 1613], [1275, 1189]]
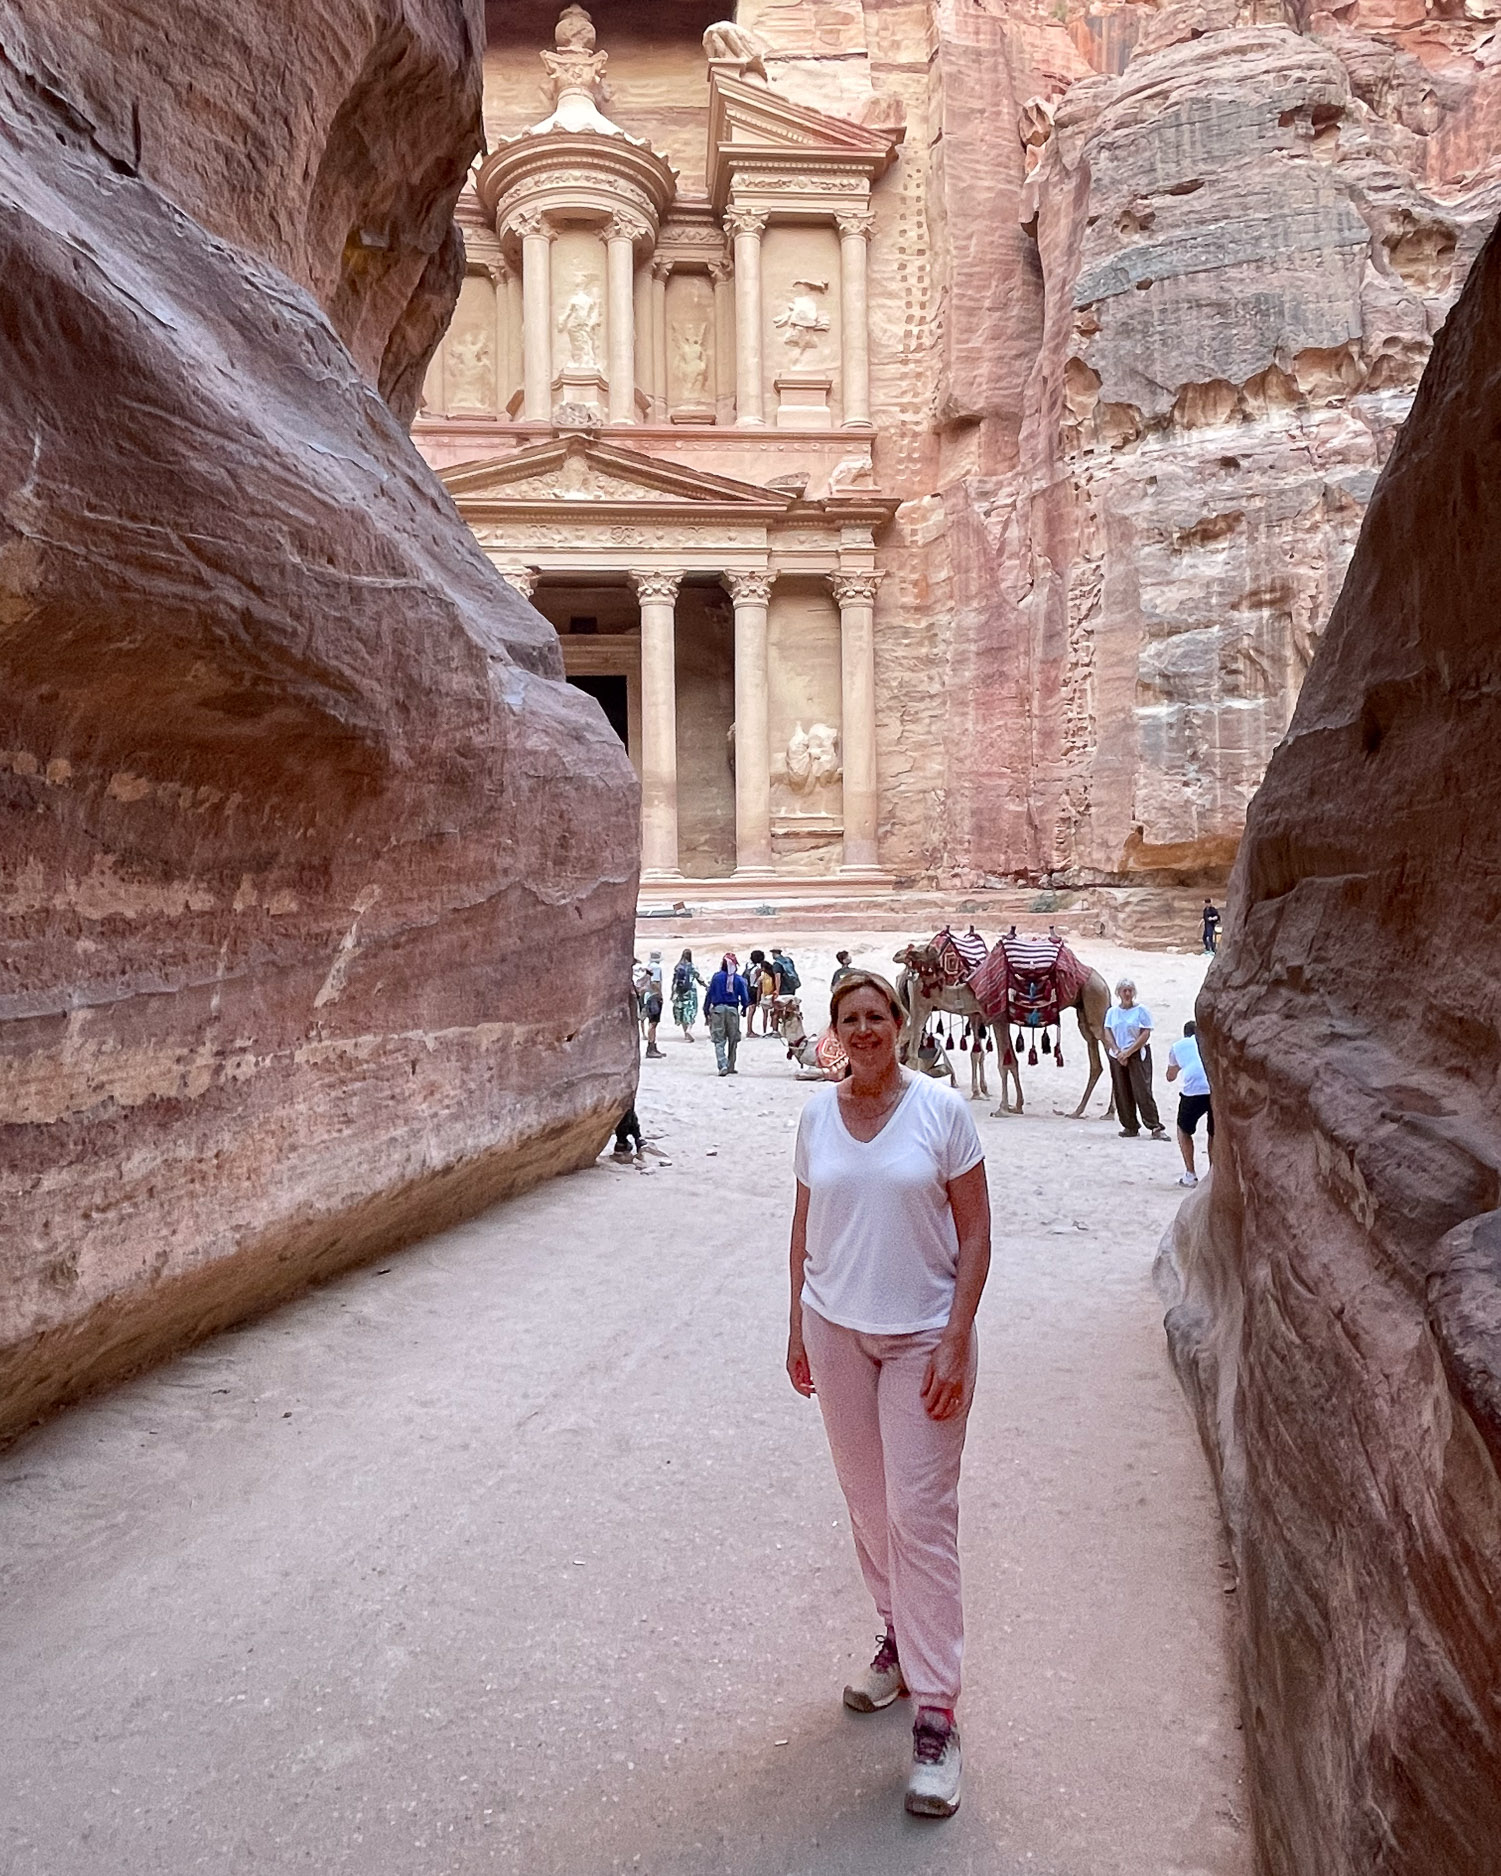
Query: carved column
[[856, 594], [854, 247], [748, 226], [620, 277], [658, 594], [723, 276], [536, 315], [751, 593], [500, 275], [659, 272]]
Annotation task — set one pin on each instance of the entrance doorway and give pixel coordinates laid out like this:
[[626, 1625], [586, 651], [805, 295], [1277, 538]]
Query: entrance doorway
[[611, 695]]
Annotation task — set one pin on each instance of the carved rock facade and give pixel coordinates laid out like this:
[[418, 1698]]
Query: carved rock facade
[[293, 795], [1088, 328], [1338, 1282]]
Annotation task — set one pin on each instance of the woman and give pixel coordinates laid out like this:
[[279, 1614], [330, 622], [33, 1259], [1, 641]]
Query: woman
[[686, 984], [1128, 1043], [890, 1251]]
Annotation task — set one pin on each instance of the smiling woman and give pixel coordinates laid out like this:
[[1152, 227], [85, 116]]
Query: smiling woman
[[890, 1252]]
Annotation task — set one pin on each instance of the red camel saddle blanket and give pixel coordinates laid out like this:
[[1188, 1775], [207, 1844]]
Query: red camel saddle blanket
[[1028, 981]]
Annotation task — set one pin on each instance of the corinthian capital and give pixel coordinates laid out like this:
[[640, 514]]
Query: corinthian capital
[[531, 221], [854, 588], [652, 585], [752, 587], [746, 221], [857, 221], [625, 228], [524, 579]]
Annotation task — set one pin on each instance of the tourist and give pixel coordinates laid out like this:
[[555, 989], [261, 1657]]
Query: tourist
[[890, 1251], [842, 969], [1128, 1041], [762, 986], [726, 998], [629, 1143], [1194, 1104], [653, 1006], [1211, 923], [641, 984], [686, 984]]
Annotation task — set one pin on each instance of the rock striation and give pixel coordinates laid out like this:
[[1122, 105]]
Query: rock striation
[[1337, 1321], [315, 878]]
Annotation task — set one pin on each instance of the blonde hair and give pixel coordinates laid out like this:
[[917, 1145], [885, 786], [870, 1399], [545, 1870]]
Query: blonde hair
[[865, 980]]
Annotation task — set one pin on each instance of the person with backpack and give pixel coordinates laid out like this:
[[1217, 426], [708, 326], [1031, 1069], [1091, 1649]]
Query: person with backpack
[[686, 984], [724, 1003]]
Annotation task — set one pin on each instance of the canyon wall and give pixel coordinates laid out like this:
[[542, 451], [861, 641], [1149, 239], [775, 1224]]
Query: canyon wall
[[315, 878], [1337, 1320], [1187, 268]]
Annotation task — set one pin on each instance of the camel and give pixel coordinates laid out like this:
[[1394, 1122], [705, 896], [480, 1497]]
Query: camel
[[924, 992], [802, 1049], [1089, 1009]]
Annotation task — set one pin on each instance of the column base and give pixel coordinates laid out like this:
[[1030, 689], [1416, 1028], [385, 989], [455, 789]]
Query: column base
[[750, 423], [868, 875], [662, 876], [756, 876]]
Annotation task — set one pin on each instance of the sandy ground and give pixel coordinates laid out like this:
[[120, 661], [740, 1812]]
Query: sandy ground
[[519, 1553]]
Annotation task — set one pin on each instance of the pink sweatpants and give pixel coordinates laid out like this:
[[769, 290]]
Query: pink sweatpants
[[899, 1471]]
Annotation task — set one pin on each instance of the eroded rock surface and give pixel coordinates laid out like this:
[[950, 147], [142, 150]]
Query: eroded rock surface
[[1242, 238], [315, 878], [1338, 1313]]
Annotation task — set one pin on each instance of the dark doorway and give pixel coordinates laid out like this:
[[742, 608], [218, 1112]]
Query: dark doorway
[[609, 694]]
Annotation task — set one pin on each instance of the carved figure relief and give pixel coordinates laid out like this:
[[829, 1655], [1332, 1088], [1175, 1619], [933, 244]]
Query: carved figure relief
[[692, 346], [579, 323], [812, 759], [802, 319], [728, 44], [469, 382]]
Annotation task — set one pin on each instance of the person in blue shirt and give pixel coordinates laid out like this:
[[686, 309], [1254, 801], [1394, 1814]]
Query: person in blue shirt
[[723, 1005], [1194, 1103]]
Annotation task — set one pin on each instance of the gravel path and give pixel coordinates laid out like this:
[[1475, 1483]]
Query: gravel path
[[518, 1552]]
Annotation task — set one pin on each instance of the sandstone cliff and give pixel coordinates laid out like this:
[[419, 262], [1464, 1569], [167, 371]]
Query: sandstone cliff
[[1338, 1322], [1161, 419], [295, 805]]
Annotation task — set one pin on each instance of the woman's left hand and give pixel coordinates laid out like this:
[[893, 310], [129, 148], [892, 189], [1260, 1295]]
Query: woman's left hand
[[948, 1372]]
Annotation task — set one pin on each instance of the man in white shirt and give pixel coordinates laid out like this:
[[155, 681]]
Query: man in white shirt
[[1128, 1040], [1193, 1099]]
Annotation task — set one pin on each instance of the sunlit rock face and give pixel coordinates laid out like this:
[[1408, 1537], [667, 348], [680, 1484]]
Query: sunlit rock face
[[1240, 247], [315, 879], [1338, 1285]]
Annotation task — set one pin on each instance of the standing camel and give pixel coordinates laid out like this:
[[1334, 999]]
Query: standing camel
[[1089, 1005], [924, 992]]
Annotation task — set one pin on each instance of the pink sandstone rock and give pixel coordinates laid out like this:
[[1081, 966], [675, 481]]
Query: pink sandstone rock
[[315, 878], [1337, 1321], [1172, 417]]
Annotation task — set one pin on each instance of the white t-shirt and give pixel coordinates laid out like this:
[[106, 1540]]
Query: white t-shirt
[[1126, 1025], [1190, 1065], [882, 1244]]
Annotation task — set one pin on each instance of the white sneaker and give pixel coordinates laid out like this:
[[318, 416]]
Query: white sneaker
[[933, 1786], [879, 1684], [1189, 1179]]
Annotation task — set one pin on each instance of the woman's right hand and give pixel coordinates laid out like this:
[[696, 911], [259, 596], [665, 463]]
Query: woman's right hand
[[798, 1372]]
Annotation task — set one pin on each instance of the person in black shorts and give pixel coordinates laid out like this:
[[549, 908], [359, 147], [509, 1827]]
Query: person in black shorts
[[1194, 1103]]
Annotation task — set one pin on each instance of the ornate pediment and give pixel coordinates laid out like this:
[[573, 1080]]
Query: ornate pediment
[[578, 472], [753, 128]]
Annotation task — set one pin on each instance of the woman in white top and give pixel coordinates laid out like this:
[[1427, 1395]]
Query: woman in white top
[[890, 1251]]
